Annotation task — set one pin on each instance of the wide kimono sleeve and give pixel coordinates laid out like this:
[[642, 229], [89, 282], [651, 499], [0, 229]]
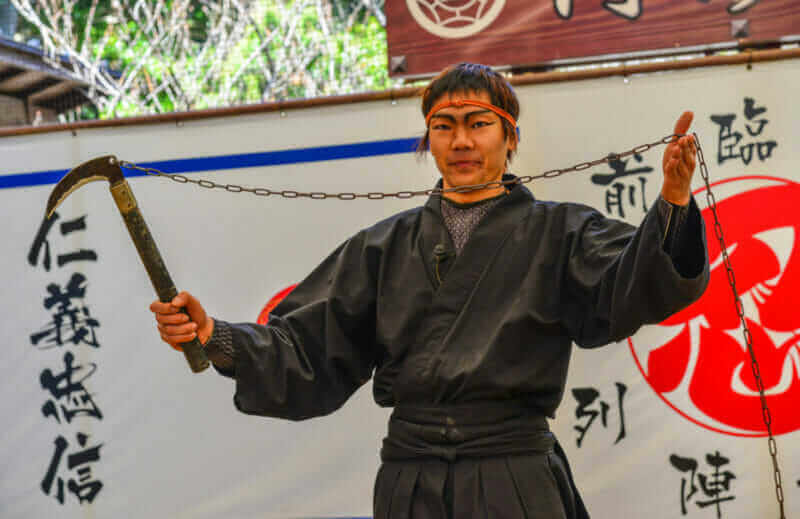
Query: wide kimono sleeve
[[618, 277], [317, 348]]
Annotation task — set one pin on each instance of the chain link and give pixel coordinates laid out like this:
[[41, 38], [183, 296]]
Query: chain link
[[553, 173], [318, 195], [748, 337]]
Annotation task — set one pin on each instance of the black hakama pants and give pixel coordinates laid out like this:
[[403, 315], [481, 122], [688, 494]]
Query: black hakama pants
[[493, 461]]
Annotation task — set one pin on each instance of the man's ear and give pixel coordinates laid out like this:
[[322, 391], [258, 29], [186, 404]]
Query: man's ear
[[512, 142]]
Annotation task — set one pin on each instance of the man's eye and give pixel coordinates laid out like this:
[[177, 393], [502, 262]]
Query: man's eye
[[440, 126], [480, 124]]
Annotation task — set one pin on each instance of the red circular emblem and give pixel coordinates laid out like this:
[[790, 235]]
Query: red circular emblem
[[263, 317], [697, 360]]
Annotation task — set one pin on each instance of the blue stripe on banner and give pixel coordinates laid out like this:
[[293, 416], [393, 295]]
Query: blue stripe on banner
[[242, 160]]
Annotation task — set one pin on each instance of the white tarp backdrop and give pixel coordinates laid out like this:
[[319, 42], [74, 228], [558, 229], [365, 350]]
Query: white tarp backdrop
[[101, 419]]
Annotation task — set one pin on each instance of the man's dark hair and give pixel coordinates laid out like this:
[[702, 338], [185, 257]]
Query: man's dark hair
[[471, 77]]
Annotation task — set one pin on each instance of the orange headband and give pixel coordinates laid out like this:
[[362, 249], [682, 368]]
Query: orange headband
[[461, 102]]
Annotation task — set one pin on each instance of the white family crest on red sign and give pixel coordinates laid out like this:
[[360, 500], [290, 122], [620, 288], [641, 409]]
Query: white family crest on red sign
[[454, 18], [697, 360]]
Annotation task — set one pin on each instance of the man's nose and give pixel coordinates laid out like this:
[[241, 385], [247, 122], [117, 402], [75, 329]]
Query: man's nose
[[461, 138]]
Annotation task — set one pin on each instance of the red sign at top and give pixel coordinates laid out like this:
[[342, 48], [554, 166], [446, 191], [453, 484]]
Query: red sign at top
[[427, 35]]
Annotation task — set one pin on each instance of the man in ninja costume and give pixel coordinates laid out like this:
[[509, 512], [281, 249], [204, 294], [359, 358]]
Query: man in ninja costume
[[463, 312]]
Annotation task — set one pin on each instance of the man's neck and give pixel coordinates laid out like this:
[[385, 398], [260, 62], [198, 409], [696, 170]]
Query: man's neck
[[470, 197]]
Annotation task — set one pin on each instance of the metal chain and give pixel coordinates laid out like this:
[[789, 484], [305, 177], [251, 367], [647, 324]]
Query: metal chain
[[712, 205], [318, 195], [748, 338]]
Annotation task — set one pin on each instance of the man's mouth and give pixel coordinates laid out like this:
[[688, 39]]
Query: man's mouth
[[465, 164]]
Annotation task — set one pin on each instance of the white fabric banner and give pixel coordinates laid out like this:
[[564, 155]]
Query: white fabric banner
[[102, 419]]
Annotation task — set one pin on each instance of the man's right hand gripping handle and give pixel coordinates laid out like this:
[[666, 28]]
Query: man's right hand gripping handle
[[177, 327]]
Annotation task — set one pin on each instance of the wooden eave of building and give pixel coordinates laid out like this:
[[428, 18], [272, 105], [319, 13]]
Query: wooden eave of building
[[26, 75]]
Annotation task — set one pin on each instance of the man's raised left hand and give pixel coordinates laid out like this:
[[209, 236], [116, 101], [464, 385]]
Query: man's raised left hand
[[679, 162]]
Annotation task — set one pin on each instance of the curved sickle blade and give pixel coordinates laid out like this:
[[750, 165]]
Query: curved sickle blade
[[101, 168]]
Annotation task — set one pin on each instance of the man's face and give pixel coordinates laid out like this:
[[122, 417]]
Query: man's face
[[468, 142]]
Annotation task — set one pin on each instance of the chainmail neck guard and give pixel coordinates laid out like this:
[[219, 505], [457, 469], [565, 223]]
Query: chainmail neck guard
[[461, 219]]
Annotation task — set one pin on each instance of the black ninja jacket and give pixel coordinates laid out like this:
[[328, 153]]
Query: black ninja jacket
[[496, 322]]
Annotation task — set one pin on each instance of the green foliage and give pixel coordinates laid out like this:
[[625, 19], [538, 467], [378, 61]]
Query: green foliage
[[198, 22], [270, 59]]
